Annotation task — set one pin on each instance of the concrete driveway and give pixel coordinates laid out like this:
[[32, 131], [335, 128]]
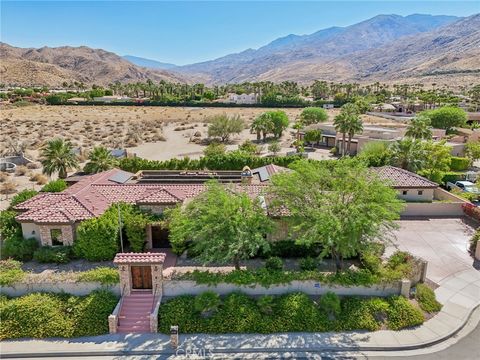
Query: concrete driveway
[[442, 242]]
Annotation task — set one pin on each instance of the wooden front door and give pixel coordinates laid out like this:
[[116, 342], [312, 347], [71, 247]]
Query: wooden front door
[[141, 277]]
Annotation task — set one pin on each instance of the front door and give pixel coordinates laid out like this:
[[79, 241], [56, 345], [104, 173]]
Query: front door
[[141, 277], [160, 237]]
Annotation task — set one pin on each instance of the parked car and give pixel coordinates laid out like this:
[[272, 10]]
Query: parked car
[[465, 186]]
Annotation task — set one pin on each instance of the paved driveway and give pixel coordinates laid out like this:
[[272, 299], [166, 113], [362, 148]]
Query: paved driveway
[[442, 242]]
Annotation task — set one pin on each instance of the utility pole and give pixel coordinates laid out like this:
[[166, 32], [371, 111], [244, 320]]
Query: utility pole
[[120, 226]]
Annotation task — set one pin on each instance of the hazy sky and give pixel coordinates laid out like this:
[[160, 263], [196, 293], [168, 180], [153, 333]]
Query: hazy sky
[[184, 32]]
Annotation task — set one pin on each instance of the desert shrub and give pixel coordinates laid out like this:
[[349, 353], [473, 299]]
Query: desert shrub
[[10, 272], [330, 304], [274, 263], [308, 264], [55, 186], [33, 165], [22, 196], [9, 227], [426, 299], [8, 187], [398, 266], [459, 163], [215, 149], [57, 254], [56, 315], [40, 179], [103, 275], [403, 314], [21, 170], [207, 302], [3, 176], [19, 248], [249, 147]]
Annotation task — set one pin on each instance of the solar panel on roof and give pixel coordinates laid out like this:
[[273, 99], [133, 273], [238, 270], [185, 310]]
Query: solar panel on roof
[[263, 174], [120, 177]]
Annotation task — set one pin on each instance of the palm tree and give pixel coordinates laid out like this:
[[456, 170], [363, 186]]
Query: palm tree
[[261, 125], [348, 122], [100, 159], [409, 154], [58, 156], [419, 128]]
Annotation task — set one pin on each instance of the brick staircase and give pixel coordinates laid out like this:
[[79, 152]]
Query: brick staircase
[[135, 313]]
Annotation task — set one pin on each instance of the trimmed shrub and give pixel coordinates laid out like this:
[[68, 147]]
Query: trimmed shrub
[[330, 304], [266, 304], [55, 186], [19, 248], [207, 302], [403, 314], [10, 272], [459, 163], [288, 248], [9, 227], [426, 299], [357, 313], [274, 263], [103, 275], [56, 315], [308, 264], [57, 254], [97, 238]]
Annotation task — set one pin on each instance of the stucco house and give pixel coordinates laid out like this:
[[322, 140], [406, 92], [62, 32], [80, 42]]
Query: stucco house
[[243, 98]]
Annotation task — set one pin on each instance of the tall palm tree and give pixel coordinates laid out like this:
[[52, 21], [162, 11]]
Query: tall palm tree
[[419, 128], [261, 125], [348, 122], [58, 156], [409, 154], [100, 159]]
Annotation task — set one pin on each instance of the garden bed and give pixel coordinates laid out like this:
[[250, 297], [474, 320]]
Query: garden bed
[[295, 312]]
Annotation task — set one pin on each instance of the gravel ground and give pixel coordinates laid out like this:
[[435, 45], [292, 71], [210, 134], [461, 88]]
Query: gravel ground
[[75, 265]]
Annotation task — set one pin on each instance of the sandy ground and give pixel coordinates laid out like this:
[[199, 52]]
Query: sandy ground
[[157, 133]]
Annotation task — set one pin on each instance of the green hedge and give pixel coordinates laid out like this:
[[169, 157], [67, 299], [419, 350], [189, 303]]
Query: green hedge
[[104, 275], [19, 248], [10, 272], [234, 160], [459, 163], [56, 315], [57, 254], [239, 313]]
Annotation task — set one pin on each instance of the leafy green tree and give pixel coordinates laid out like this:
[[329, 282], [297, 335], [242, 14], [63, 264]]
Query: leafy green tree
[[447, 117], [279, 122], [375, 153], [437, 160], [222, 224], [472, 150], [223, 126], [348, 122], [313, 115], [214, 149], [58, 156], [408, 154], [100, 159], [340, 208], [313, 136]]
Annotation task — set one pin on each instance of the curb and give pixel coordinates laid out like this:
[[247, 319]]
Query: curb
[[218, 351]]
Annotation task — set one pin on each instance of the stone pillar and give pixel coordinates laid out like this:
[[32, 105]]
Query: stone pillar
[[125, 283], [112, 324], [148, 244], [423, 272], [157, 270], [477, 251], [405, 286]]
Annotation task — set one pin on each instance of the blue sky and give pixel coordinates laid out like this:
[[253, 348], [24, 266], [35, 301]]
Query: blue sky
[[184, 32]]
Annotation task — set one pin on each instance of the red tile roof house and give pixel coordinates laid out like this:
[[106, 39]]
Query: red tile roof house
[[52, 218]]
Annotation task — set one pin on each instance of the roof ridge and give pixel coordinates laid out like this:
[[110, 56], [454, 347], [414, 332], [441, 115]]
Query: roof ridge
[[411, 173]]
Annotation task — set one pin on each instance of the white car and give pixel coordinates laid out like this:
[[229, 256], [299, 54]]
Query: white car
[[465, 186]]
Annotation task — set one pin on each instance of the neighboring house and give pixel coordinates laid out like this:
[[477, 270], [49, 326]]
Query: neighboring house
[[328, 106], [119, 153], [243, 98], [76, 100]]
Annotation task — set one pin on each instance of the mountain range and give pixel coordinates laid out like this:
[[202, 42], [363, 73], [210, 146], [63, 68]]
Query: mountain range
[[420, 48]]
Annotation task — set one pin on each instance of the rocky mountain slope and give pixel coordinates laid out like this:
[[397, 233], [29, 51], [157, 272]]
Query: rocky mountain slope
[[148, 63], [52, 66]]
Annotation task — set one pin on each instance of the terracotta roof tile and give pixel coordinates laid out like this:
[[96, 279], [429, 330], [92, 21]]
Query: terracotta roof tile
[[400, 178], [136, 258]]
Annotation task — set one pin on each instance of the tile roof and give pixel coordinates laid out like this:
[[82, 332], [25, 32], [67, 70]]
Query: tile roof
[[92, 195], [136, 258], [400, 178]]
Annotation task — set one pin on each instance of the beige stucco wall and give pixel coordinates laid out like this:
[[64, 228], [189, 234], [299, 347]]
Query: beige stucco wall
[[31, 230], [156, 209], [413, 196]]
